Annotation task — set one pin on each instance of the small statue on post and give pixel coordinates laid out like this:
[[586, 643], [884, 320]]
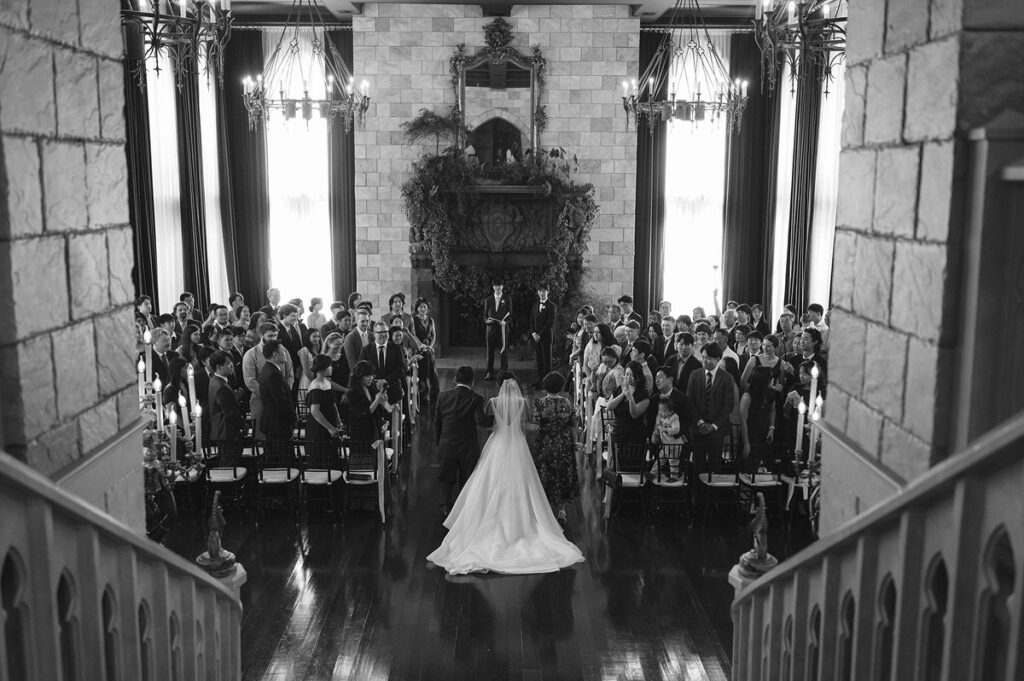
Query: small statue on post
[[758, 561], [215, 560]]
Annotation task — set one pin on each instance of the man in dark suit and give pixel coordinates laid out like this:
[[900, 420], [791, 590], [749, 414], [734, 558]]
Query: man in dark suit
[[273, 301], [162, 355], [627, 312], [632, 336], [358, 338], [195, 316], [664, 345], [681, 403], [713, 393], [226, 423], [275, 394], [388, 361], [498, 318], [459, 412], [684, 362], [292, 334], [542, 320]]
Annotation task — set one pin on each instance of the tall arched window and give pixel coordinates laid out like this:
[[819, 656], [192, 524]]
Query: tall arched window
[[885, 630], [814, 644], [14, 617], [67, 621], [108, 606], [176, 668], [933, 633], [787, 649], [996, 618], [847, 622], [145, 642]]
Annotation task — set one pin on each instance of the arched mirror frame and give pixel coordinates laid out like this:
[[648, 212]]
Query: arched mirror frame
[[496, 56]]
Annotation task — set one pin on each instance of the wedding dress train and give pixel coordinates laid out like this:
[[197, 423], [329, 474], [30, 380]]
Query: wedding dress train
[[502, 521]]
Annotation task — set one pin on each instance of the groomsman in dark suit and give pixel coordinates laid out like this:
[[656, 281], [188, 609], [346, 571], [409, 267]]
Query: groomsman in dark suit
[[292, 333], [226, 423], [713, 393], [388, 361], [275, 394], [542, 320], [498, 318]]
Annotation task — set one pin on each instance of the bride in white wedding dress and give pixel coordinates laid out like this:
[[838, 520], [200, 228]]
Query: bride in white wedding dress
[[502, 521]]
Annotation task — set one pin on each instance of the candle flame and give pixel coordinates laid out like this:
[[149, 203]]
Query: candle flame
[[181, 400], [814, 371], [198, 411], [157, 384], [802, 408], [191, 371], [141, 366], [147, 337], [172, 417]]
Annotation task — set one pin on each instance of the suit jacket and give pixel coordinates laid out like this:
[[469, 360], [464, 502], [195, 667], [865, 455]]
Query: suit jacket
[[681, 403], [354, 346], [236, 378], [161, 366], [270, 311], [723, 391], [393, 370], [541, 322], [226, 423], [634, 316], [499, 311], [458, 413], [276, 398], [292, 344], [663, 349], [681, 370]]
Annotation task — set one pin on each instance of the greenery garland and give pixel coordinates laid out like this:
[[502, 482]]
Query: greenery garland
[[439, 202]]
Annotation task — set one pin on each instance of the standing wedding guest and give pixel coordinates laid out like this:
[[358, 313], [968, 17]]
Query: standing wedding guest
[[396, 308], [273, 303], [307, 353], [542, 321], [653, 317], [181, 319], [358, 338], [256, 321], [252, 364], [423, 329], [191, 339], [713, 393], [730, 360], [202, 380], [388, 361], [665, 308], [579, 334], [632, 336], [627, 312], [354, 299], [218, 322], [800, 391], [315, 319], [664, 343], [621, 339], [334, 350], [682, 405], [190, 301], [291, 333], [698, 314], [684, 362], [236, 301], [278, 417], [607, 378], [334, 323], [757, 412], [817, 313], [227, 425], [629, 403], [242, 317], [555, 449], [613, 314], [600, 338], [758, 321], [166, 322], [367, 406], [144, 312], [162, 355], [176, 386], [324, 423], [684, 324], [236, 353], [641, 353], [810, 346]]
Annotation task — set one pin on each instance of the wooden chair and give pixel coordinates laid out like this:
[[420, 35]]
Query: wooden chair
[[301, 416], [279, 473], [413, 383], [323, 471], [719, 483], [225, 471], [762, 472], [629, 463], [603, 456], [671, 474], [365, 471]]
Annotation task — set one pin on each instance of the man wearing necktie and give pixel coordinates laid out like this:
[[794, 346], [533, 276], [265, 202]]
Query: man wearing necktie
[[388, 362], [542, 320], [713, 393], [498, 318], [291, 333]]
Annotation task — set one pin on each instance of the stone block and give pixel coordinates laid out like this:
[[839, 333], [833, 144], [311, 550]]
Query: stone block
[[933, 205], [78, 108], [87, 273], [848, 341], [873, 265], [74, 359], [28, 372], [101, 27], [896, 190], [844, 269], [54, 450], [127, 407], [107, 183], [26, 109], [922, 380], [932, 80], [906, 24], [120, 260], [14, 13], [857, 195], [20, 182], [33, 287], [97, 425], [885, 371], [838, 409], [918, 286], [906, 455], [117, 356], [947, 17], [884, 112], [64, 186], [111, 99], [863, 426], [865, 30], [856, 106], [55, 19]]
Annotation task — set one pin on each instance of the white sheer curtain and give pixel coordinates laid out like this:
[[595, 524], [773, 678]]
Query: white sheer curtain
[[783, 188], [215, 257], [297, 160], [163, 140], [694, 205], [826, 188]]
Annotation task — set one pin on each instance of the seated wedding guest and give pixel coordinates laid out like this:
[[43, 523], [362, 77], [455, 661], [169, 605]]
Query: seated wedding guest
[[684, 324], [307, 353], [162, 354], [227, 424], [182, 318], [817, 322], [367, 405], [315, 319], [423, 330], [388, 361], [663, 342], [333, 349], [641, 353], [291, 333], [713, 393], [241, 317], [236, 301], [627, 312], [176, 386], [191, 339], [684, 362], [629, 404], [396, 308], [252, 363], [190, 301], [354, 299], [607, 378], [758, 321], [324, 422], [757, 412], [680, 403], [273, 303], [358, 338], [665, 309], [144, 312], [278, 407]]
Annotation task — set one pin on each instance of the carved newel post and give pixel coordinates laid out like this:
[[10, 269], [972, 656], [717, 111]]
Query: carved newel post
[[215, 560], [758, 561]]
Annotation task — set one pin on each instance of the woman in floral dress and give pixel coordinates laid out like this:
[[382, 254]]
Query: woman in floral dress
[[555, 450]]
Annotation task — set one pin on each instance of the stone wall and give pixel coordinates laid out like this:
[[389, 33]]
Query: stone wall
[[404, 51], [920, 74], [67, 342]]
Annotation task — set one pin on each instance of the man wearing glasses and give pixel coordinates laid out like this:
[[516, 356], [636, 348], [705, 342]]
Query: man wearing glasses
[[388, 362]]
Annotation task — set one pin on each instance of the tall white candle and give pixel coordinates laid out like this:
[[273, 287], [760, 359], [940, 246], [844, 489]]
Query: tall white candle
[[147, 338], [792, 13], [199, 429], [814, 386], [172, 419], [142, 379], [192, 386], [802, 409], [813, 447], [184, 416], [157, 388]]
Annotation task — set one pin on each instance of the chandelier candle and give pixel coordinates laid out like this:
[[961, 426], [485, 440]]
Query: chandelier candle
[[147, 338], [192, 386], [184, 416]]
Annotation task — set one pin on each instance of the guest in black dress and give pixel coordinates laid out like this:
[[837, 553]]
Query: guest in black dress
[[629, 403], [324, 423], [423, 329], [757, 413], [367, 404]]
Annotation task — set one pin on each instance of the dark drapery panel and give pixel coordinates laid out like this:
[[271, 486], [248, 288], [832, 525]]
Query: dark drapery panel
[[801, 211], [747, 178], [343, 189], [247, 170], [227, 209], [649, 237], [140, 185], [195, 266]]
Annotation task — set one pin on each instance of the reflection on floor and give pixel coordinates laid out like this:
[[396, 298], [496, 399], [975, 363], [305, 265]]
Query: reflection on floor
[[358, 600]]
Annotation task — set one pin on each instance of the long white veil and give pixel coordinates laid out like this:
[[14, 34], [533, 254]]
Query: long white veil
[[509, 404]]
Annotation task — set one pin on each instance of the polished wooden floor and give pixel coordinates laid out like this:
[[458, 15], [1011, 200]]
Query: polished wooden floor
[[359, 601]]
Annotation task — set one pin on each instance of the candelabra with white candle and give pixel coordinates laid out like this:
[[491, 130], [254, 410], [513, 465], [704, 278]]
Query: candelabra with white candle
[[198, 414], [814, 386], [141, 366], [192, 386], [172, 420], [802, 412], [157, 386], [184, 416], [147, 338]]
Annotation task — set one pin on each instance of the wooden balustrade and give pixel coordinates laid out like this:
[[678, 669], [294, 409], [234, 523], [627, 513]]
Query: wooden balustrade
[[84, 597], [926, 586]]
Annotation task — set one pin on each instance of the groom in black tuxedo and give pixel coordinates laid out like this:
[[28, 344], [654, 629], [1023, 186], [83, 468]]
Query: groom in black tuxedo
[[498, 318], [542, 320], [458, 413]]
